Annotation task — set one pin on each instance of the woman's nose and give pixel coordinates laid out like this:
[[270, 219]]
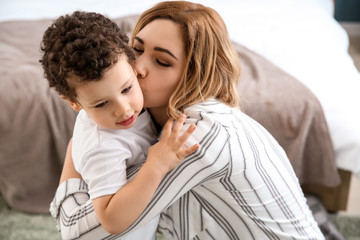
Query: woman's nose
[[140, 68]]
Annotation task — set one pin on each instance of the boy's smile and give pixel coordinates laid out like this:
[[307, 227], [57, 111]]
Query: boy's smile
[[127, 122]]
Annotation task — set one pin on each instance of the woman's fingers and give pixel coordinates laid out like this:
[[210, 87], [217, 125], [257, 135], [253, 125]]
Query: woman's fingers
[[185, 152], [184, 137], [177, 127], [167, 129]]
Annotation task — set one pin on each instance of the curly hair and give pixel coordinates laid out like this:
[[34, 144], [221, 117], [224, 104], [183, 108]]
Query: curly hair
[[81, 46]]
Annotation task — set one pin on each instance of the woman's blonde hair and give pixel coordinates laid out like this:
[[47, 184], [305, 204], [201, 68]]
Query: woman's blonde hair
[[212, 65]]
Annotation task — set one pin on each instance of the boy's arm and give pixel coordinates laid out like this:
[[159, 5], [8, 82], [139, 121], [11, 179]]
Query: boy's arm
[[69, 171], [72, 207], [117, 212]]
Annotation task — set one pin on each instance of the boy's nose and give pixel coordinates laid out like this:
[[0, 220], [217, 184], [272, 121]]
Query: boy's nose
[[121, 108]]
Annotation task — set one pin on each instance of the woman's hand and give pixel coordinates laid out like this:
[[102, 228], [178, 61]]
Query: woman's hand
[[170, 150], [69, 168]]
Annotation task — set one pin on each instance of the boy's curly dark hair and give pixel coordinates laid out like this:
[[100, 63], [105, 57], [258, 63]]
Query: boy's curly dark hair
[[81, 46]]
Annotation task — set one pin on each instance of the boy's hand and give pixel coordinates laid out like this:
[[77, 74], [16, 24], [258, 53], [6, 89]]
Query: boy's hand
[[169, 151]]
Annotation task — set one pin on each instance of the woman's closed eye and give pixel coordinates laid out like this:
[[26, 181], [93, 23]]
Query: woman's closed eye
[[162, 63], [138, 50]]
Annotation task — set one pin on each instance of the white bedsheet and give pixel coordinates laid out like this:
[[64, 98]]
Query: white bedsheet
[[300, 36]]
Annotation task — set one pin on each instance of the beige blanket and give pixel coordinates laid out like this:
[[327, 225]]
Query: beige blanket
[[35, 124]]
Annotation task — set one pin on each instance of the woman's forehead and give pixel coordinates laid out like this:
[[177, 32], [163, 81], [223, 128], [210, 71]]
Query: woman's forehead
[[163, 33]]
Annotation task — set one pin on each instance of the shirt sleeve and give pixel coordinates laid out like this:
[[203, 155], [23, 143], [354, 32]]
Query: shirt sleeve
[[74, 213], [104, 170]]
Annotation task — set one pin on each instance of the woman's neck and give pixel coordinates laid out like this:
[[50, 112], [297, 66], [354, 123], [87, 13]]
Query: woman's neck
[[159, 115]]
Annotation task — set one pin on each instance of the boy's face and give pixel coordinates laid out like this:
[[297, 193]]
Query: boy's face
[[115, 101]]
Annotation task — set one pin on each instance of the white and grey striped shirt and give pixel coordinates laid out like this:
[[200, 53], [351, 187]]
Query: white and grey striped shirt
[[238, 185]]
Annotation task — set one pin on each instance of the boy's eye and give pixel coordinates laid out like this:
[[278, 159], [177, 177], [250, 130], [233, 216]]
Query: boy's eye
[[101, 104], [126, 89]]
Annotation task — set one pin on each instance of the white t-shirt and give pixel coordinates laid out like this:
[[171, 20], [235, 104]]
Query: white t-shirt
[[103, 156]]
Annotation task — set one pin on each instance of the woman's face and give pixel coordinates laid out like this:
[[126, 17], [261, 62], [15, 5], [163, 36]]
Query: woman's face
[[160, 62]]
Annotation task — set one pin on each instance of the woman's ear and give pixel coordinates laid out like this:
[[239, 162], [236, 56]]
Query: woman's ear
[[74, 105]]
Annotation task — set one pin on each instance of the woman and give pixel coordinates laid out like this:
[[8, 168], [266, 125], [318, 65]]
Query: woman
[[239, 184]]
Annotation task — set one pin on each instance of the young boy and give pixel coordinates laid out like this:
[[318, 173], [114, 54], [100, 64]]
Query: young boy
[[87, 60]]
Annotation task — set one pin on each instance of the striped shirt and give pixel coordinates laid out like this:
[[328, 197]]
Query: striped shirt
[[238, 185]]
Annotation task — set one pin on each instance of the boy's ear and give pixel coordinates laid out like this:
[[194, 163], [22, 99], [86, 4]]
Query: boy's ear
[[76, 106]]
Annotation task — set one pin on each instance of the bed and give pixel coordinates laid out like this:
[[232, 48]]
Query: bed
[[298, 81]]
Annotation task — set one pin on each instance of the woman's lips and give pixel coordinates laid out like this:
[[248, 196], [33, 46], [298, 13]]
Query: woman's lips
[[127, 121]]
